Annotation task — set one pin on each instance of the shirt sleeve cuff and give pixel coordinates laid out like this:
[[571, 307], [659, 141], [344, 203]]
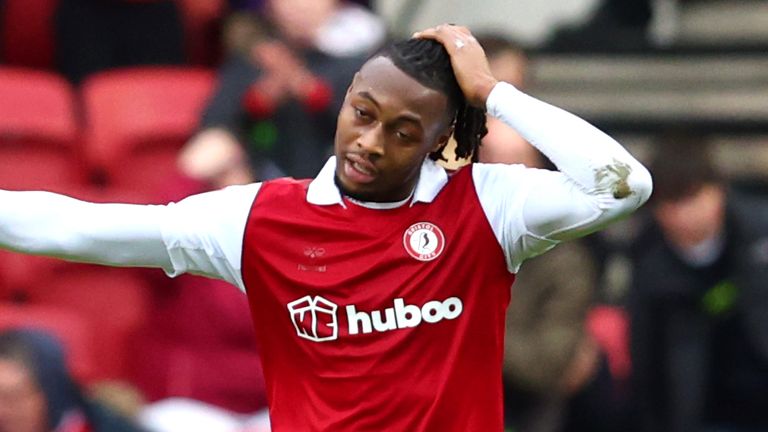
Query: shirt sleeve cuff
[[501, 96]]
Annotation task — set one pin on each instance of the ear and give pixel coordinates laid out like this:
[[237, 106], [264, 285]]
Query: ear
[[443, 138]]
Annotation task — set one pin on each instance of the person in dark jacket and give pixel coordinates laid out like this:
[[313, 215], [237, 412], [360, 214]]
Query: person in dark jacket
[[37, 393], [699, 301]]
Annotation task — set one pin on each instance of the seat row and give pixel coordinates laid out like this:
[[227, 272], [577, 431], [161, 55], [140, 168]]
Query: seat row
[[123, 127], [27, 35]]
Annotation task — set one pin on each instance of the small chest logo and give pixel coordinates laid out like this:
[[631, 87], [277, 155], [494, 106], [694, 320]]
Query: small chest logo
[[424, 241]]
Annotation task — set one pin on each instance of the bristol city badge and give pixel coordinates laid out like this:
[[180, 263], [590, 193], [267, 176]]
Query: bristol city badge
[[424, 241]]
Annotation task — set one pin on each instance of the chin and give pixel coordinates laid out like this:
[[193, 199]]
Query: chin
[[358, 193]]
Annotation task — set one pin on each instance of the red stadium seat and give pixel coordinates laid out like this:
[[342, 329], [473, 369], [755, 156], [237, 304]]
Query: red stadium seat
[[38, 131], [20, 272], [75, 334], [138, 119], [113, 301], [26, 32]]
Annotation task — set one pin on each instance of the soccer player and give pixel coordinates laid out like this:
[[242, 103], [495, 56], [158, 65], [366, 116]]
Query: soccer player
[[377, 289]]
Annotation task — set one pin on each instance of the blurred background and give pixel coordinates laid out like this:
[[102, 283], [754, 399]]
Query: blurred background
[[660, 323]]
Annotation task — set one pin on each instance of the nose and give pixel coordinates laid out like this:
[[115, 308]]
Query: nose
[[371, 141]]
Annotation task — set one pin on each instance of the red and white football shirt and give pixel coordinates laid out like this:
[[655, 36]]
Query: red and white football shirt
[[373, 319], [397, 266]]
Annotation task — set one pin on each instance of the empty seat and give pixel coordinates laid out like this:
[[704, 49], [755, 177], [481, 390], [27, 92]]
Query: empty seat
[[38, 131], [75, 333], [113, 301], [138, 119]]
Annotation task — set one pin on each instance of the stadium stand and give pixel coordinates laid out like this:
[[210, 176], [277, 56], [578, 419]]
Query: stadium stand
[[137, 120], [38, 131], [114, 301], [75, 333]]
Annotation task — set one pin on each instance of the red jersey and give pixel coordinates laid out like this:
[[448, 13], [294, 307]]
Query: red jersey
[[373, 320]]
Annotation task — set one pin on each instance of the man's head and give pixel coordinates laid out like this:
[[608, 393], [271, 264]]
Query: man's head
[[402, 106], [688, 199], [23, 406], [36, 389]]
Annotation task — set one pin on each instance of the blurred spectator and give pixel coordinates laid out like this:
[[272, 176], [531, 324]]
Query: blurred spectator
[[548, 356], [556, 377], [699, 304], [502, 144], [94, 35], [274, 112], [37, 394]]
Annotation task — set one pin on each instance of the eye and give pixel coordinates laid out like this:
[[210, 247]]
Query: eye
[[403, 136], [359, 113]]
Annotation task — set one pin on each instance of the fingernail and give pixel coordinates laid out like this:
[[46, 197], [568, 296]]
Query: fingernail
[[417, 34]]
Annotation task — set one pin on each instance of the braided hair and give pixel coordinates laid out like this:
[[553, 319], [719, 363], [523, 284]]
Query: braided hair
[[429, 63]]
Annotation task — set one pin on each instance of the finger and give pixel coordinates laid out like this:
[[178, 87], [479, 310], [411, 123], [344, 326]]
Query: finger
[[434, 32], [451, 37]]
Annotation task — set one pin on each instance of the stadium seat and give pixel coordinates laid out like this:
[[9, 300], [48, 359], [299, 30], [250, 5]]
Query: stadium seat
[[38, 131], [113, 301], [19, 272], [26, 32], [138, 119], [74, 332]]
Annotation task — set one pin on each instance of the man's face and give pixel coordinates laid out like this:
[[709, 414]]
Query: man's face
[[690, 221], [22, 405], [388, 124]]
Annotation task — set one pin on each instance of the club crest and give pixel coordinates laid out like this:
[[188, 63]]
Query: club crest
[[424, 241]]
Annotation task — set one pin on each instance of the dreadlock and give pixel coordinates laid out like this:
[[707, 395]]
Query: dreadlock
[[428, 62]]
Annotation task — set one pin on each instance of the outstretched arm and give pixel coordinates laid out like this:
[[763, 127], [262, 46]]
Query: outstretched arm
[[200, 234], [45, 223], [531, 210]]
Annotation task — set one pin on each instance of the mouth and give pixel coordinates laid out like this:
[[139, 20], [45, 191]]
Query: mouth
[[358, 169]]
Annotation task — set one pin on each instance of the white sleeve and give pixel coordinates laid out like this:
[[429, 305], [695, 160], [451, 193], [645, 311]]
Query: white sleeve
[[201, 234], [531, 210], [204, 233]]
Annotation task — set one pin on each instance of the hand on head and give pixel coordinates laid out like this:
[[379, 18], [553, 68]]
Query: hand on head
[[470, 64]]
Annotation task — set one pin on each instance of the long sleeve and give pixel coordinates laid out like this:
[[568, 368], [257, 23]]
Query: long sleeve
[[201, 234], [44, 223], [531, 210]]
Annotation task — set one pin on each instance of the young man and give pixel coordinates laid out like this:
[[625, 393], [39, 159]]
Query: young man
[[699, 305], [378, 289]]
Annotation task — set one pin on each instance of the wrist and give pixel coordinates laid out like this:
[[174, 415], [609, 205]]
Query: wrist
[[483, 90]]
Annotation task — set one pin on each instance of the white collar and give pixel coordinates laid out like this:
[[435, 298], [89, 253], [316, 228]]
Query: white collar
[[323, 190]]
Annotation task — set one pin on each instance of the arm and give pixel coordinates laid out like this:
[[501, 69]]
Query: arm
[[201, 234], [598, 181], [530, 211]]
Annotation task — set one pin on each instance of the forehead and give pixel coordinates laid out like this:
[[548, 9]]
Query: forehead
[[394, 89]]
